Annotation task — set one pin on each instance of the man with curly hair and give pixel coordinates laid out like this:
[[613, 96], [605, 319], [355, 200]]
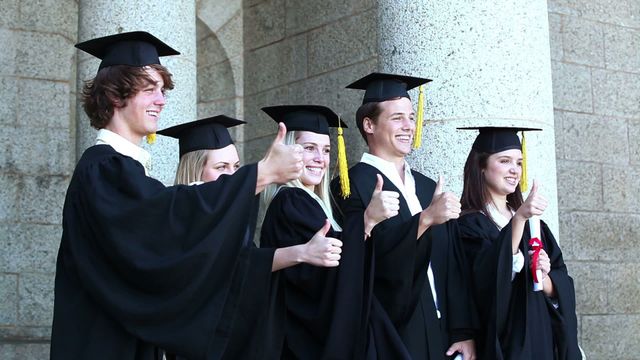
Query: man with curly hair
[[141, 266]]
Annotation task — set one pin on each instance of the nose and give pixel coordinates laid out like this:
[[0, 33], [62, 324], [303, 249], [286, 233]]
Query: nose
[[160, 99], [318, 156], [408, 124]]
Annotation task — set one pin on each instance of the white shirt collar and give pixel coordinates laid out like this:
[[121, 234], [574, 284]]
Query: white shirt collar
[[124, 147], [500, 220], [388, 169]]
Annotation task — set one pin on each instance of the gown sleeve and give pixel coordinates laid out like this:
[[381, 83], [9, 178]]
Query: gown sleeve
[[155, 259]]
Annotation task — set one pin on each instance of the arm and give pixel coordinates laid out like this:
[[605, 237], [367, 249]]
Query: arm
[[318, 251]]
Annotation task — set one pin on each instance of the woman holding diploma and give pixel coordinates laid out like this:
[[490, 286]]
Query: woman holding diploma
[[500, 232]]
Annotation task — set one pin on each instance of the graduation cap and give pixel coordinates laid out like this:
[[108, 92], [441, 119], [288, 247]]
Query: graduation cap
[[382, 87], [136, 48], [494, 139], [317, 119], [205, 134], [314, 118]]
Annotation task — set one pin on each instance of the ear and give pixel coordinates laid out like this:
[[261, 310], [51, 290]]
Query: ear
[[368, 125]]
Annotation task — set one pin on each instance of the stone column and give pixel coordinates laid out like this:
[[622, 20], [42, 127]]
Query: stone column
[[490, 63], [174, 22]]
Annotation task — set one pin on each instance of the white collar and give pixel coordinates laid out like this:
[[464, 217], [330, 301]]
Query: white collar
[[124, 147], [388, 169], [497, 217]]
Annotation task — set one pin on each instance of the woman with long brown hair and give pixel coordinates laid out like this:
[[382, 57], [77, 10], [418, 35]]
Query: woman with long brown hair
[[518, 322]]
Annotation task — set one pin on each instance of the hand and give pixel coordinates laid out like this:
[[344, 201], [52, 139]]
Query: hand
[[282, 162], [444, 206], [321, 250], [533, 205], [466, 347], [544, 263], [383, 205]]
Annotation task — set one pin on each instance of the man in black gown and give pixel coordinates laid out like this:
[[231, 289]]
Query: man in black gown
[[420, 275], [142, 266]]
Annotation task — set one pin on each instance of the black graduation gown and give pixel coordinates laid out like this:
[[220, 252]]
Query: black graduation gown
[[142, 266], [401, 283], [330, 312], [518, 323]]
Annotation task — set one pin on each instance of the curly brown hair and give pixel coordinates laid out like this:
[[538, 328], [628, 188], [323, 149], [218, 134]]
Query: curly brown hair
[[113, 86]]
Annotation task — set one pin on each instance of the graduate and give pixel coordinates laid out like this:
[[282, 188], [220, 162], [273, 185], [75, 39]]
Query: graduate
[[141, 266], [329, 313], [518, 322], [420, 274]]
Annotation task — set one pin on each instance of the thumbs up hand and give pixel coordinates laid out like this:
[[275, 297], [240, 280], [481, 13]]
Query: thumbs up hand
[[383, 205], [282, 162], [535, 204], [321, 250], [444, 206]]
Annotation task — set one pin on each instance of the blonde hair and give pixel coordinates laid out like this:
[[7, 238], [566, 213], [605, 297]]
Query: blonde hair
[[322, 189], [190, 167]]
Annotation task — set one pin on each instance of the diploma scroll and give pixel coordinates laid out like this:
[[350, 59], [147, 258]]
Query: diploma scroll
[[536, 245]]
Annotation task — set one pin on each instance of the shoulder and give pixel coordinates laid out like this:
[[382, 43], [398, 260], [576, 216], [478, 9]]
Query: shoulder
[[294, 199], [474, 222]]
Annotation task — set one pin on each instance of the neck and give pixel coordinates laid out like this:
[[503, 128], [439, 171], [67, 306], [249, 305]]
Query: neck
[[500, 202], [118, 127], [397, 161]]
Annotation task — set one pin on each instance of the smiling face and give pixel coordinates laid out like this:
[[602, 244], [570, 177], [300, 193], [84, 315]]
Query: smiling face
[[139, 117], [503, 171], [316, 154], [220, 162], [391, 134]]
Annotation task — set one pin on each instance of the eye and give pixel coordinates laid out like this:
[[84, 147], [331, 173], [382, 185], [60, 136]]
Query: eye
[[505, 161], [327, 151], [220, 167], [309, 148], [236, 166]]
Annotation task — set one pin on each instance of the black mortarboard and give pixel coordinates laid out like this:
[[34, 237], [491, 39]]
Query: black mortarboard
[[382, 87], [494, 139], [136, 48], [314, 118], [204, 134]]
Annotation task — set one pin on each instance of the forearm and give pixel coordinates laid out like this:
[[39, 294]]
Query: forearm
[[287, 257], [548, 287]]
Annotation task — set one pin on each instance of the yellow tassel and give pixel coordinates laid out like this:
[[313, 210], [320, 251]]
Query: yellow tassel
[[417, 137], [151, 138], [343, 167], [523, 179]]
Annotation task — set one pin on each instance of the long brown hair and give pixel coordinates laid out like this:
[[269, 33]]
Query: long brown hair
[[475, 194]]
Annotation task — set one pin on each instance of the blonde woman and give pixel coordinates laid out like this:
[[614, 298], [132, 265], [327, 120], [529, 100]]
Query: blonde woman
[[330, 313]]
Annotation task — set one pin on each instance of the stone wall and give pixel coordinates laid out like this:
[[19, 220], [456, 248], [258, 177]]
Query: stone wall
[[595, 52], [301, 52], [37, 132]]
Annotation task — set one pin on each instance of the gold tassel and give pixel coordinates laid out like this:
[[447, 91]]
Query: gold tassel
[[343, 167], [523, 179], [151, 138], [417, 137]]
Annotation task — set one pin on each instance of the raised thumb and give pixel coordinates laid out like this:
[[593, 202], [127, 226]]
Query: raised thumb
[[439, 185], [325, 229], [379, 183]]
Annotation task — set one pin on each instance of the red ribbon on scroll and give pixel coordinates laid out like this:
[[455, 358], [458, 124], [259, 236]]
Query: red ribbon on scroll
[[536, 246]]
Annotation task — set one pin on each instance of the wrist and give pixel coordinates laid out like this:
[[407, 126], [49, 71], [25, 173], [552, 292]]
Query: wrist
[[426, 219], [301, 253]]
